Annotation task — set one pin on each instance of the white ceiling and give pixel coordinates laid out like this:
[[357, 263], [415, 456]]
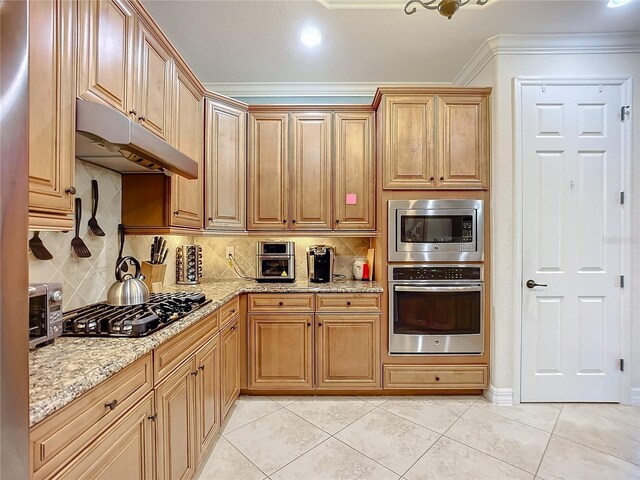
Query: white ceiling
[[258, 41]]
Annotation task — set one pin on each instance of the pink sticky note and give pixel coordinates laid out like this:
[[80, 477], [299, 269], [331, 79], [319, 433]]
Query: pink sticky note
[[352, 198]]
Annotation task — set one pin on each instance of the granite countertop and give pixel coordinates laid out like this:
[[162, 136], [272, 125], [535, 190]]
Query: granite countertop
[[61, 372]]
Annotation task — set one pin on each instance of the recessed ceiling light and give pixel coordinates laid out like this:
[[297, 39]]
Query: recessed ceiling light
[[617, 3], [311, 37]]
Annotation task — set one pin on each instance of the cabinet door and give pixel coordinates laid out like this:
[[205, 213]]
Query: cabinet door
[[51, 112], [348, 351], [207, 413], [225, 167], [175, 424], [310, 171], [230, 341], [188, 120], [408, 158], [268, 172], [106, 52], [125, 451], [463, 128], [281, 351], [153, 90], [354, 198]]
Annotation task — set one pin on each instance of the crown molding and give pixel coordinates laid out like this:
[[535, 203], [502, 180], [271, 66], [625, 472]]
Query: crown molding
[[305, 89], [551, 44]]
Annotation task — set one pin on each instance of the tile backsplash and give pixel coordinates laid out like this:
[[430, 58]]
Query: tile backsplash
[[84, 280]]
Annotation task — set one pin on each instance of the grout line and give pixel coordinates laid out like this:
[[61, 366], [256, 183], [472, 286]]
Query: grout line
[[280, 407], [596, 449], [302, 454], [518, 421], [247, 458], [365, 455], [548, 442]]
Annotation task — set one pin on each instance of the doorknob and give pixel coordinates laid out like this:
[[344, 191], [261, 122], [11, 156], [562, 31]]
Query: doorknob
[[532, 284]]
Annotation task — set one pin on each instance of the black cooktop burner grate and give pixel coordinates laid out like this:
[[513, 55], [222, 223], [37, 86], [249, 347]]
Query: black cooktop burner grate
[[102, 320]]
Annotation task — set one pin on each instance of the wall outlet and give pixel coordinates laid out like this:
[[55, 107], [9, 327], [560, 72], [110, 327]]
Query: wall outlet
[[231, 252]]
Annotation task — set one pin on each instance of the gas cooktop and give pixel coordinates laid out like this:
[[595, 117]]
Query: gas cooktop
[[102, 320]]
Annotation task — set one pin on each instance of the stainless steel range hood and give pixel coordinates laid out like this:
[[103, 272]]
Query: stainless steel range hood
[[106, 137]]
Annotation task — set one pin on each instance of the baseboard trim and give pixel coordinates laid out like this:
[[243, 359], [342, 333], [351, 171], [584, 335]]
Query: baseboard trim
[[634, 396], [502, 397]]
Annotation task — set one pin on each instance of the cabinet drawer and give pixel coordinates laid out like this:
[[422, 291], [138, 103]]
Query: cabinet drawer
[[435, 376], [229, 310], [62, 435], [292, 302], [343, 302], [172, 353]]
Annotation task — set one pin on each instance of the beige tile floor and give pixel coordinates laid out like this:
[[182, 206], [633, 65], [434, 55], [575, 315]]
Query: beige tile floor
[[424, 438]]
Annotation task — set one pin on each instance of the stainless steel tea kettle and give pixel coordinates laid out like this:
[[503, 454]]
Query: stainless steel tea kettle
[[128, 291]]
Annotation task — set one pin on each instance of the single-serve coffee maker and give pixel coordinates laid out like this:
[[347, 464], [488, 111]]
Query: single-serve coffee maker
[[320, 260]]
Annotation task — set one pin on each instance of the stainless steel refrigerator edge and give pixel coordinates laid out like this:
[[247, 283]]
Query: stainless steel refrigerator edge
[[14, 224]]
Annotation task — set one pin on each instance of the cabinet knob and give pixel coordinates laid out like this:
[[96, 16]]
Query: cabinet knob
[[441, 178], [194, 373], [234, 327], [284, 220], [142, 118], [337, 221], [308, 324], [201, 367], [132, 112], [348, 304], [432, 178], [294, 220], [70, 190], [210, 219], [111, 405], [232, 311], [437, 379], [176, 212], [280, 303], [153, 417], [319, 324]]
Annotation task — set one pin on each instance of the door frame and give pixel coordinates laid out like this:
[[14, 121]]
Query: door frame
[[625, 327]]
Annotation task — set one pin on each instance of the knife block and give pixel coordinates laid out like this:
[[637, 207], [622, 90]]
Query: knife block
[[153, 273]]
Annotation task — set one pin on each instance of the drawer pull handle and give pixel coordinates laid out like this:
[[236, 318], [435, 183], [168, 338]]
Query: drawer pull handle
[[437, 379], [111, 405], [153, 417], [280, 303], [348, 304]]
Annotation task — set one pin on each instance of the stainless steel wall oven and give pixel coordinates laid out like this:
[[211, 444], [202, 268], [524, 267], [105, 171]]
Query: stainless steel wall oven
[[436, 230], [436, 309]]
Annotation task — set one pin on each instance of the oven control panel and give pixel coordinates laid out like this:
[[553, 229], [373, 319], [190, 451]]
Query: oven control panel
[[437, 272]]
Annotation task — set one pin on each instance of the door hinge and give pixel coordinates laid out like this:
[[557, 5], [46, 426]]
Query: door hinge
[[624, 112], [622, 364], [621, 281], [621, 198]]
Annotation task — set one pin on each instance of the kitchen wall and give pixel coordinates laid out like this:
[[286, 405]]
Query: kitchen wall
[[214, 261], [84, 280], [499, 71]]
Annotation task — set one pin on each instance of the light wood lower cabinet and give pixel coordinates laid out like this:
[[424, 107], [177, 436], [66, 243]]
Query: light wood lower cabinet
[[207, 415], [348, 351], [230, 367], [175, 423], [435, 377], [125, 451], [281, 351]]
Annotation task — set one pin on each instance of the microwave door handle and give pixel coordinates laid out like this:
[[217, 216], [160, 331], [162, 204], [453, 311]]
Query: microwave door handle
[[442, 288]]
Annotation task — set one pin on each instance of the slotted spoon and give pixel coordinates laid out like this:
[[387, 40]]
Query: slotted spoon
[[76, 243]]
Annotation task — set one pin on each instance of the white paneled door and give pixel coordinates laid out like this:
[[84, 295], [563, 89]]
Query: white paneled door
[[572, 221]]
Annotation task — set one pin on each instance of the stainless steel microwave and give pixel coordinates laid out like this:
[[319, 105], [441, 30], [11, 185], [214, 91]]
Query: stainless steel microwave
[[436, 230]]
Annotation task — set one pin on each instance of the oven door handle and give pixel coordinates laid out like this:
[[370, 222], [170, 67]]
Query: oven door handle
[[442, 288]]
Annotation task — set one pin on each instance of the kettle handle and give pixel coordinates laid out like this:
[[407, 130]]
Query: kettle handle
[[132, 261]]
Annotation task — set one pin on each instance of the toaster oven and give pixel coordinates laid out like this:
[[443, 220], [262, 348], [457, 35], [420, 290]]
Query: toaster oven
[[45, 313]]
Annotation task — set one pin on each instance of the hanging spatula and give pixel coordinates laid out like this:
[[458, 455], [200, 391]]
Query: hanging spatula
[[93, 223], [76, 242], [38, 249]]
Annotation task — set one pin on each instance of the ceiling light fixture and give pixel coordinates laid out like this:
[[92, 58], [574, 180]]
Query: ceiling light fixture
[[617, 3], [446, 7], [311, 37]]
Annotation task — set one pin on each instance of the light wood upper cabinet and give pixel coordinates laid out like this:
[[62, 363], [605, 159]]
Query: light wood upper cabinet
[[126, 450], [310, 171], [435, 138], [106, 52], [188, 128], [348, 351], [463, 156], [268, 171], [408, 142], [272, 367], [153, 91], [354, 197], [52, 102], [175, 424], [207, 413], [225, 167], [230, 365]]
